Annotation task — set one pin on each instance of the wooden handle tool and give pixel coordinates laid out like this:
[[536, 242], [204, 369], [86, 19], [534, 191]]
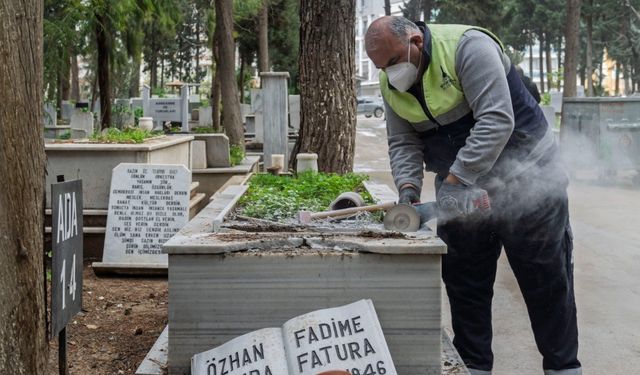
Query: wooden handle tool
[[306, 217]]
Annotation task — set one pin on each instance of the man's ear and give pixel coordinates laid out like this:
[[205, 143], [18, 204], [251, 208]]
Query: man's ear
[[418, 40]]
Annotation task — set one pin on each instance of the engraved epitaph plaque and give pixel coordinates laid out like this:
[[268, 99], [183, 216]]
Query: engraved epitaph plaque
[[148, 204]]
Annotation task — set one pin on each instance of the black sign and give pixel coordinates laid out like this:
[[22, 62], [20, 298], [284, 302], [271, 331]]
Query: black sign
[[66, 243]]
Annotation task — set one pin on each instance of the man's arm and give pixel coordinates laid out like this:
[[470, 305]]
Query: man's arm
[[481, 67], [405, 151]]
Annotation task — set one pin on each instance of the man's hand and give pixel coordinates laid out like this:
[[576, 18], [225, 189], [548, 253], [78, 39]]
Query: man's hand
[[456, 200], [408, 195]]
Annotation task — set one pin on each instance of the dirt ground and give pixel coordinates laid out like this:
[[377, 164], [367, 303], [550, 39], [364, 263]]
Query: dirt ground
[[121, 319]]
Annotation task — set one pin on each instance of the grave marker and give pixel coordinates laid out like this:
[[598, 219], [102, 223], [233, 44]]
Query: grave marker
[[66, 110], [66, 266], [148, 204], [66, 243], [275, 103], [294, 112], [167, 109], [50, 115]]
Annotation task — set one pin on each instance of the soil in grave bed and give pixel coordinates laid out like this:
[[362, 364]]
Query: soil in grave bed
[[121, 319]]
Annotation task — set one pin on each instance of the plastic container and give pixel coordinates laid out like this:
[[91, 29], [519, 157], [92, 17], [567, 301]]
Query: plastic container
[[307, 162], [145, 123], [347, 200]]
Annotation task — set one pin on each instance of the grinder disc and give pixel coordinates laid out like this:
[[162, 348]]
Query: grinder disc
[[402, 218]]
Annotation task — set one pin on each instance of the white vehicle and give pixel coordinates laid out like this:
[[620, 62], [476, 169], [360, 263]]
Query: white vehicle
[[370, 106]]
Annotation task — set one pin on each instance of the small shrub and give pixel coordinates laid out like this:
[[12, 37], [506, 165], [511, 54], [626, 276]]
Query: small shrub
[[545, 99], [237, 154], [137, 113], [64, 136], [282, 197]]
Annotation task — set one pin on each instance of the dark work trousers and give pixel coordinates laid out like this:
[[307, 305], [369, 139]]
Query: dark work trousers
[[530, 219]]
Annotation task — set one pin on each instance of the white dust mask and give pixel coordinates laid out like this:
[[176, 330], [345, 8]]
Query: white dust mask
[[404, 74]]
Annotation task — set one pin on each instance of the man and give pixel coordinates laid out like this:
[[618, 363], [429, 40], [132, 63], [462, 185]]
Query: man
[[529, 84], [456, 106]]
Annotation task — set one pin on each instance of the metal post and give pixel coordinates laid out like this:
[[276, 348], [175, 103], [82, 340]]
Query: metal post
[[62, 352]]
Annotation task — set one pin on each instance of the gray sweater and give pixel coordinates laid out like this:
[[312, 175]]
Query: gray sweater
[[482, 70]]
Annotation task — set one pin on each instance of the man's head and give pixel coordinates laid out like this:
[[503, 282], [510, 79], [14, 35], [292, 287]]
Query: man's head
[[393, 40]]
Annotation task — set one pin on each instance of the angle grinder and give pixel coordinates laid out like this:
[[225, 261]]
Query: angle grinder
[[409, 217]]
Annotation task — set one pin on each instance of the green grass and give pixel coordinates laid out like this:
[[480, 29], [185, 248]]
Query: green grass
[[281, 197], [128, 135]]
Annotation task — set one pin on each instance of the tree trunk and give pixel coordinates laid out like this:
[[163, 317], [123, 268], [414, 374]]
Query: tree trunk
[[103, 71], [547, 51], [589, 52], [197, 55], [627, 80], [387, 7], [59, 95], [541, 61], [427, 7], [65, 81], [162, 71], [263, 37], [327, 85], [571, 35], [134, 85], [531, 61], [617, 89], [560, 75], [231, 120], [75, 78], [241, 81], [22, 295], [94, 90], [215, 86], [153, 59], [215, 103]]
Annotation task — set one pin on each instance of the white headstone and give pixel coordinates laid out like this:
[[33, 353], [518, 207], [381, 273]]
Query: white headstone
[[275, 103], [50, 115], [198, 154], [556, 100], [67, 110], [245, 110], [175, 109], [217, 149], [294, 112], [205, 117], [148, 204], [256, 100], [82, 124]]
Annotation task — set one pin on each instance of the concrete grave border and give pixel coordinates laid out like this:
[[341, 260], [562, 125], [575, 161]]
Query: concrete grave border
[[208, 283]]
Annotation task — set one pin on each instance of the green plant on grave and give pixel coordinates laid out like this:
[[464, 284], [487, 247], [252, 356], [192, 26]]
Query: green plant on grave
[[545, 99], [281, 197], [137, 113], [128, 135], [120, 114], [159, 92], [236, 154], [64, 136]]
